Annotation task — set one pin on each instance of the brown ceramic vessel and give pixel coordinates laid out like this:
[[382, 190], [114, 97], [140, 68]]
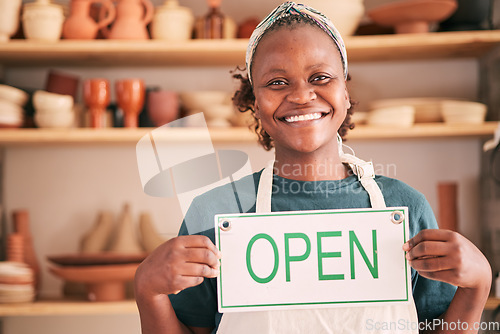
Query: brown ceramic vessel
[[96, 94], [80, 25], [130, 94]]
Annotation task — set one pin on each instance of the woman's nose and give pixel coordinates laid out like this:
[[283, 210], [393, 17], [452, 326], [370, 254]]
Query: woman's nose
[[301, 94]]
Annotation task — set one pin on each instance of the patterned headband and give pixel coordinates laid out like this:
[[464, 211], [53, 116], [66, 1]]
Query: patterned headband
[[291, 8]]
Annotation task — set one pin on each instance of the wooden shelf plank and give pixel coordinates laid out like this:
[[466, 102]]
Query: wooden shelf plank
[[492, 303], [232, 52], [33, 137], [67, 307]]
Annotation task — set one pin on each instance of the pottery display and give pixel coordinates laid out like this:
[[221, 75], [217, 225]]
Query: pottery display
[[470, 15], [46, 101], [97, 96], [215, 105], [43, 21], [172, 22], [15, 248], [211, 26], [94, 259], [96, 240], [103, 282], [130, 96], [132, 17], [125, 237], [163, 106], [427, 109], [21, 221], [80, 25], [9, 18], [463, 112], [53, 110], [447, 206], [413, 16], [345, 15], [62, 83], [150, 238]]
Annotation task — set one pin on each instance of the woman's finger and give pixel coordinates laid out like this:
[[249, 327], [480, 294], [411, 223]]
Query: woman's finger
[[201, 256], [428, 235], [432, 264], [428, 249]]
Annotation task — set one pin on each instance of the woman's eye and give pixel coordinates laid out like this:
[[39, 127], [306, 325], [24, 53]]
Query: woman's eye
[[321, 78], [276, 83]]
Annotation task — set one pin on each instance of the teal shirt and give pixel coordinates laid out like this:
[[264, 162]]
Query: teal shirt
[[197, 306]]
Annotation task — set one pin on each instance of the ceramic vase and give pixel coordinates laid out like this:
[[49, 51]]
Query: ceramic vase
[[43, 21], [97, 238], [96, 94], [22, 226], [80, 25], [130, 95], [470, 15], [172, 22], [125, 237], [163, 107], [150, 238], [345, 14], [9, 18], [15, 248], [132, 17]]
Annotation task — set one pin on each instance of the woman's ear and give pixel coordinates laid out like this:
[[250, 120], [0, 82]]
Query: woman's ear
[[347, 99], [257, 110]]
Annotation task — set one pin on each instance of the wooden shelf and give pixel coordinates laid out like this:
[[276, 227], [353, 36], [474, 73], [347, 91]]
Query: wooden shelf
[[232, 52], [227, 135], [67, 307], [73, 307]]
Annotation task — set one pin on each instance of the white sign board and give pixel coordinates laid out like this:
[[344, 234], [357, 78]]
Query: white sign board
[[310, 259]]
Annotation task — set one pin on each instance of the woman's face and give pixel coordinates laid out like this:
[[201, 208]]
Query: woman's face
[[300, 92]]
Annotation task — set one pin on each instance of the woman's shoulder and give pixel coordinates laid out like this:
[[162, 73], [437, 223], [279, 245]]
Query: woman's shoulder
[[399, 193]]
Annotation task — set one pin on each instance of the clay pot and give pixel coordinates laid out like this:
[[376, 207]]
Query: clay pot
[[43, 21], [22, 227], [96, 240], [80, 25], [97, 95], [130, 95], [9, 18], [62, 83], [15, 248], [469, 16], [132, 17], [172, 22], [163, 107]]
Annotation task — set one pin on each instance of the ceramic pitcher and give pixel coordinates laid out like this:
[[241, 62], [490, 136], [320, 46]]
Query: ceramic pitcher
[[80, 25], [132, 17], [9, 18]]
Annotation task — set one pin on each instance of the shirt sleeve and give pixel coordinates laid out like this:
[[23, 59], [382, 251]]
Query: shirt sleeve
[[196, 306], [432, 298]]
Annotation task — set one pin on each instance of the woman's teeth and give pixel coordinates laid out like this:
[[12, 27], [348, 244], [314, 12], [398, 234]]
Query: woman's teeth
[[300, 118]]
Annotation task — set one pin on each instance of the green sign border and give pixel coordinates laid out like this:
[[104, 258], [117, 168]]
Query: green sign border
[[301, 213]]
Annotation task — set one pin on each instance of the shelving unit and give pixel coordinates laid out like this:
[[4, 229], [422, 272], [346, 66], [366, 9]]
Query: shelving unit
[[113, 136], [232, 52]]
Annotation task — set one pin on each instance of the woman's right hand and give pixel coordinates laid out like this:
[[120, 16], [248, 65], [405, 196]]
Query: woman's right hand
[[177, 264]]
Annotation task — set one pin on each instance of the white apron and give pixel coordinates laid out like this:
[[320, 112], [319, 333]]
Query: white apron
[[399, 318]]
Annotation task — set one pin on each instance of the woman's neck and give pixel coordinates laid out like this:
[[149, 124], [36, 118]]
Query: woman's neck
[[309, 166]]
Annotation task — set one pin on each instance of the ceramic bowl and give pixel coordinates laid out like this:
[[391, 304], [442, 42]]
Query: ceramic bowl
[[55, 120], [43, 22], [345, 15], [43, 100], [463, 112], [11, 115], [427, 110], [218, 111], [201, 99], [402, 116], [13, 95]]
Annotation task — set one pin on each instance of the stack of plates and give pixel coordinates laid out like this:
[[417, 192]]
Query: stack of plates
[[12, 101], [16, 283], [401, 116]]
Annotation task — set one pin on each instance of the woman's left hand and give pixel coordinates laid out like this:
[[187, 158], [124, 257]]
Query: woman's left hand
[[447, 256]]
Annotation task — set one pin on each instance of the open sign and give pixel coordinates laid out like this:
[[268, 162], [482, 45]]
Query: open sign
[[306, 259]]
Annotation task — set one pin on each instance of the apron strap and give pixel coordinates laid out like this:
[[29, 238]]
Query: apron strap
[[264, 190]]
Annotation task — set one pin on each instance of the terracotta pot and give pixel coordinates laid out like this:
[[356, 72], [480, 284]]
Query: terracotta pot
[[448, 207], [97, 95], [62, 83], [43, 21], [132, 17], [246, 29], [80, 25], [130, 94], [22, 226], [9, 18], [163, 107], [15, 248]]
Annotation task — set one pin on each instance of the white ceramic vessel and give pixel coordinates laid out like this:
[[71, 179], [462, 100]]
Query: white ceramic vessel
[[9, 18], [63, 119], [52, 102], [172, 22], [43, 21], [345, 14], [13, 95]]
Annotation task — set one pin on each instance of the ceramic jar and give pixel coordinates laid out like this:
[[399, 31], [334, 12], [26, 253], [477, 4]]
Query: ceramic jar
[[9, 18], [132, 17], [43, 20], [345, 14], [172, 22], [80, 25]]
